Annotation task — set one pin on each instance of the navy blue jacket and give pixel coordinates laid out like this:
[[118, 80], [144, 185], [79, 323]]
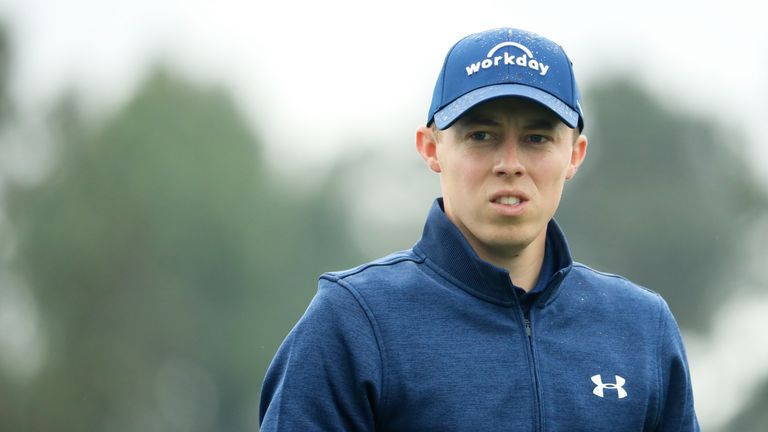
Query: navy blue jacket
[[436, 339]]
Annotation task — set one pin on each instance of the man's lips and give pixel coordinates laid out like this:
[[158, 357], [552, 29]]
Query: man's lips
[[510, 198], [507, 200], [510, 203]]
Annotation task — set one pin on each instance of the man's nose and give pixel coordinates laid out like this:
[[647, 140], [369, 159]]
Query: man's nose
[[508, 162]]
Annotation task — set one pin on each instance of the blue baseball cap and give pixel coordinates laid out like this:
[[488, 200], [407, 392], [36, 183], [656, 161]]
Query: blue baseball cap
[[505, 62]]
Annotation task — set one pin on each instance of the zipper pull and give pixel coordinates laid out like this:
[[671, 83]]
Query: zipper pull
[[527, 326]]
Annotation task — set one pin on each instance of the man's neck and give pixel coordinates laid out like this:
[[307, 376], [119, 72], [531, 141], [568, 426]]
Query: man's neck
[[524, 265]]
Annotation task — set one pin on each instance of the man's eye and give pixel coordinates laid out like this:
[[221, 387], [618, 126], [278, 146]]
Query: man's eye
[[480, 136], [537, 139]]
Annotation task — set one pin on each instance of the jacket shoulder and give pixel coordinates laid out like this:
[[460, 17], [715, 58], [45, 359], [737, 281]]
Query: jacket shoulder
[[386, 265], [381, 277], [612, 286]]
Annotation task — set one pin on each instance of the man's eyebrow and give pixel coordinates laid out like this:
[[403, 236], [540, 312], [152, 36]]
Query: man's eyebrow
[[484, 120], [478, 120]]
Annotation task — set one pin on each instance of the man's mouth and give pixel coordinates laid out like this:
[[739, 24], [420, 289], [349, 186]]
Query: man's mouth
[[507, 200]]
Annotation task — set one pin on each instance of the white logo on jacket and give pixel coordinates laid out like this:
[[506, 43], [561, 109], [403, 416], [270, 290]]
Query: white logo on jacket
[[600, 387]]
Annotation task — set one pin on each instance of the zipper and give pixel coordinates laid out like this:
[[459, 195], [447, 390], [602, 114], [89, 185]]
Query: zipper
[[538, 412]]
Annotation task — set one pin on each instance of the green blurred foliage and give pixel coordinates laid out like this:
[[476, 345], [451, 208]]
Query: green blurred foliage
[[168, 263], [664, 198]]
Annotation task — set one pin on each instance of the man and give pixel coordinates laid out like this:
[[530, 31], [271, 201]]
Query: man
[[487, 324]]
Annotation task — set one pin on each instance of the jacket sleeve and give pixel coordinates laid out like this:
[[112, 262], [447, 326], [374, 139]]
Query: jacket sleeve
[[676, 411], [327, 373]]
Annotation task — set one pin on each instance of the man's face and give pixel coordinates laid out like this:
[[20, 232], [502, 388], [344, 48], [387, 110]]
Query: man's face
[[502, 169]]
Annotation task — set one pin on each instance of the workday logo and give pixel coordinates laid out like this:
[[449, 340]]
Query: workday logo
[[524, 60], [600, 387]]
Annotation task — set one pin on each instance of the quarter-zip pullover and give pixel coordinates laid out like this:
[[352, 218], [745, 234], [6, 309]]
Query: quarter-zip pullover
[[436, 339]]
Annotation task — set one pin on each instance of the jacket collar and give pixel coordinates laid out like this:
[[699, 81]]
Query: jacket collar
[[446, 251]]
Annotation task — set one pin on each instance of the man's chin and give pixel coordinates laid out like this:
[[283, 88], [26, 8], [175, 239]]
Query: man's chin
[[509, 246]]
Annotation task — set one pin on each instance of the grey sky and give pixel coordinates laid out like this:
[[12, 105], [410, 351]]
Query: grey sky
[[314, 75]]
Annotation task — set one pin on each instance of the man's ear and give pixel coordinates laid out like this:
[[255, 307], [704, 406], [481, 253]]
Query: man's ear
[[578, 152], [426, 145]]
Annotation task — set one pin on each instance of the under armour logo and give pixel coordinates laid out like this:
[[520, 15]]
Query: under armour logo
[[619, 386]]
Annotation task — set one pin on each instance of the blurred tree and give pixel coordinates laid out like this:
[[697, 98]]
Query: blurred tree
[[667, 203], [168, 264]]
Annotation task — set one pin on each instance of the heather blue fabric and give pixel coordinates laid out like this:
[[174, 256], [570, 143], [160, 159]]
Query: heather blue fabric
[[434, 339]]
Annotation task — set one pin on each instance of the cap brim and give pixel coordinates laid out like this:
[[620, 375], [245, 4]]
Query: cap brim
[[451, 112]]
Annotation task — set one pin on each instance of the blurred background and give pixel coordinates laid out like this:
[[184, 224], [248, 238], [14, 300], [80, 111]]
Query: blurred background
[[175, 175]]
